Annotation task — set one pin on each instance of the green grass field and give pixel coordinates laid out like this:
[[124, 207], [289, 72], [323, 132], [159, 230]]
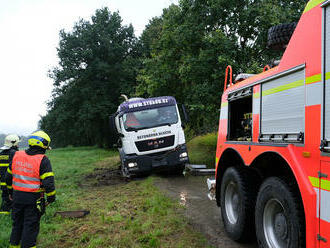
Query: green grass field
[[133, 214], [202, 149]]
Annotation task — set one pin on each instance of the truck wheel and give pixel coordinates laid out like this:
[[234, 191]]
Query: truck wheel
[[238, 194], [280, 35], [279, 216]]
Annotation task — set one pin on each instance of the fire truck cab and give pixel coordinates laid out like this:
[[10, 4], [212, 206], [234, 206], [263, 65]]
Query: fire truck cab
[[273, 150]]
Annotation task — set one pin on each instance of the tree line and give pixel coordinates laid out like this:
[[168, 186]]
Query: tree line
[[182, 53]]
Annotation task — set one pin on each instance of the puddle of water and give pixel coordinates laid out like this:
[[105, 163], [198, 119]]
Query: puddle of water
[[183, 198], [203, 214]]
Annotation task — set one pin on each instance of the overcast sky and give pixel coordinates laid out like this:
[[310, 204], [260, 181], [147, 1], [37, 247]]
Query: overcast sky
[[29, 36]]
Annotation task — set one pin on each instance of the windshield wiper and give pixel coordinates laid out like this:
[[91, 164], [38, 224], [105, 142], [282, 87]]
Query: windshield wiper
[[131, 129], [163, 124], [166, 124]]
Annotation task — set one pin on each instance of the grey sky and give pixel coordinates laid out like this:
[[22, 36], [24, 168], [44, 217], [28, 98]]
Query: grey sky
[[28, 41]]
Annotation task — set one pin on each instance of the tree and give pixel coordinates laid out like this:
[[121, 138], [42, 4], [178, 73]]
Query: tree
[[191, 44], [185, 61], [98, 62]]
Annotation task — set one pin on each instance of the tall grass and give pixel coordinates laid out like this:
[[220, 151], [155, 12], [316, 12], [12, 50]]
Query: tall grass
[[202, 149]]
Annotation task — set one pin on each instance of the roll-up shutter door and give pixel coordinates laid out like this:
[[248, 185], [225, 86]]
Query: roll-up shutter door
[[283, 104]]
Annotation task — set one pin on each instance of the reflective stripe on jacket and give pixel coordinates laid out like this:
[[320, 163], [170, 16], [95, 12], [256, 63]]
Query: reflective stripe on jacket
[[25, 171], [4, 160], [4, 163]]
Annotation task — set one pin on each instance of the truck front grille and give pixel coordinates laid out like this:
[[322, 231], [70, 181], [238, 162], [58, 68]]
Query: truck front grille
[[153, 144]]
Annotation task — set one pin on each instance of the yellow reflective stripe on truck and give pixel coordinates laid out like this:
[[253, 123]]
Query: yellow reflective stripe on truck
[[312, 4], [256, 95], [314, 79], [325, 184], [309, 80], [224, 104], [295, 84]]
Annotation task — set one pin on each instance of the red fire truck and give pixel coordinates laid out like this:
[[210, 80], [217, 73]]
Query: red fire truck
[[273, 151]]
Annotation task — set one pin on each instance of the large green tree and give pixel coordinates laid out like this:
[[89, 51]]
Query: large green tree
[[185, 61], [190, 45], [98, 61]]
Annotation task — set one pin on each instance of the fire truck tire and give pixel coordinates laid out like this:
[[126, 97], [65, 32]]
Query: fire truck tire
[[237, 203], [279, 216], [280, 35]]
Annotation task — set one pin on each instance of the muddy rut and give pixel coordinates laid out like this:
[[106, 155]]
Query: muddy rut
[[191, 191], [201, 213]]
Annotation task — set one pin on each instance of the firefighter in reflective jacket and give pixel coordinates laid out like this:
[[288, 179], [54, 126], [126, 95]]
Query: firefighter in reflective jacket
[[29, 177], [6, 155]]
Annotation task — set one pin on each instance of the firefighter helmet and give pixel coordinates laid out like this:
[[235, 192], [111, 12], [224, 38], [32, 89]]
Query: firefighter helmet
[[11, 140], [39, 138]]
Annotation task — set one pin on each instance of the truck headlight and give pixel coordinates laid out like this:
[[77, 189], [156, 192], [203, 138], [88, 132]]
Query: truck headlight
[[132, 164], [183, 155]]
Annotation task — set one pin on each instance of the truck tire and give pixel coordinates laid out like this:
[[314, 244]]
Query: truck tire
[[238, 196], [279, 216], [280, 35]]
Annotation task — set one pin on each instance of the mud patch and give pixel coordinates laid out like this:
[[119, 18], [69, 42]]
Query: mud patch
[[104, 177], [202, 214]]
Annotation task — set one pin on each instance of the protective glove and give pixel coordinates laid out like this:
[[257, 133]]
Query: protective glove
[[41, 206]]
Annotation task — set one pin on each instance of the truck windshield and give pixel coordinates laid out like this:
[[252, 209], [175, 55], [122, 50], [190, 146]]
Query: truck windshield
[[150, 118]]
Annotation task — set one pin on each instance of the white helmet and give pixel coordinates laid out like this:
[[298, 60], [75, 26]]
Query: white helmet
[[11, 140]]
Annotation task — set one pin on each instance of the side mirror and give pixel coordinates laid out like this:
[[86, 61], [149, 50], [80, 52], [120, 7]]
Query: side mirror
[[119, 144], [112, 124], [114, 135], [183, 125], [185, 115]]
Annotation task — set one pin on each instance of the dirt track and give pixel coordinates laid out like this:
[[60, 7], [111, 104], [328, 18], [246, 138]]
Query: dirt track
[[202, 214]]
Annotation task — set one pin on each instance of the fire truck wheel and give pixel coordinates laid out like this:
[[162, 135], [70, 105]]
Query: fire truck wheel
[[237, 203], [280, 35], [278, 216]]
